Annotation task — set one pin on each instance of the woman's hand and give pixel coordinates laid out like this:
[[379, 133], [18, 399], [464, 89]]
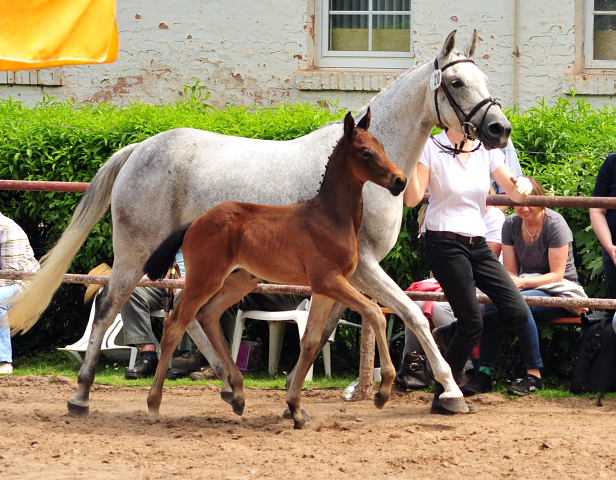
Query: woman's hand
[[522, 185], [519, 282], [515, 191]]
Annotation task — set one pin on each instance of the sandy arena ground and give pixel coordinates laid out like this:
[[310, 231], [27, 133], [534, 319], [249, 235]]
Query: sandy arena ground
[[200, 437]]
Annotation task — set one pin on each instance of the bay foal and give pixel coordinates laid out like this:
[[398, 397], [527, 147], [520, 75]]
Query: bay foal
[[311, 243]]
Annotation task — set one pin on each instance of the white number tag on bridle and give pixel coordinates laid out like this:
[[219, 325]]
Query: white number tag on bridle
[[435, 79]]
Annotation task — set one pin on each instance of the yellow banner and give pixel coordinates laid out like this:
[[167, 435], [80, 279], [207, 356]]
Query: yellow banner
[[51, 33]]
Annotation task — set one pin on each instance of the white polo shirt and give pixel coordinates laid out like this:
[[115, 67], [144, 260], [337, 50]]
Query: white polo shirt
[[458, 191]]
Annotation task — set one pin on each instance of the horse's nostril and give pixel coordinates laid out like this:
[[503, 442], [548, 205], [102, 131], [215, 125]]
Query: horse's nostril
[[496, 129], [400, 182]]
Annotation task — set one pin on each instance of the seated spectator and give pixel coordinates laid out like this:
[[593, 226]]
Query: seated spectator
[[15, 254], [411, 375], [603, 221], [136, 317], [538, 254]]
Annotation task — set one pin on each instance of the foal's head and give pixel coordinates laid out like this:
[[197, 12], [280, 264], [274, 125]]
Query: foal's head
[[367, 158]]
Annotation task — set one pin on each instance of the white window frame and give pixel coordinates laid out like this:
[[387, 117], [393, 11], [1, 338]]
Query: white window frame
[[357, 59], [589, 35]]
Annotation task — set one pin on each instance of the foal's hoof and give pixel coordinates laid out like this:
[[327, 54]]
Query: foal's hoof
[[380, 400], [300, 425], [455, 405], [238, 407], [227, 395], [77, 410], [153, 417], [287, 414]]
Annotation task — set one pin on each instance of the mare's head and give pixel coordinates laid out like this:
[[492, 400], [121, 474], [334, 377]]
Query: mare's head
[[367, 158], [464, 102]]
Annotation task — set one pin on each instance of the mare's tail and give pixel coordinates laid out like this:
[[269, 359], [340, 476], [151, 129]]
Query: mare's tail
[[31, 302], [163, 257]]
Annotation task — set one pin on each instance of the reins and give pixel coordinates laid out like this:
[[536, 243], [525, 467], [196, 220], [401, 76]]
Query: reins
[[468, 129]]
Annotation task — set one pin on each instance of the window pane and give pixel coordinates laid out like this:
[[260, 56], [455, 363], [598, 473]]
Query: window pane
[[391, 33], [395, 5], [605, 5], [348, 33], [604, 45], [348, 5]]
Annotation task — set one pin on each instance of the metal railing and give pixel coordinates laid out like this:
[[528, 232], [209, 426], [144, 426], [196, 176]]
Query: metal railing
[[533, 200]]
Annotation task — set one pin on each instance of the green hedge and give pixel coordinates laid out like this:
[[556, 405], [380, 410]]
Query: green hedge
[[561, 145]]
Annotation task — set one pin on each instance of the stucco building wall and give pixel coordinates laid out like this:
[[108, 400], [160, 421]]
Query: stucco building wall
[[249, 52]]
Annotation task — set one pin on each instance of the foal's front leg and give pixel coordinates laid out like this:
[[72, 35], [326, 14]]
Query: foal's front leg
[[319, 308], [344, 293], [369, 277]]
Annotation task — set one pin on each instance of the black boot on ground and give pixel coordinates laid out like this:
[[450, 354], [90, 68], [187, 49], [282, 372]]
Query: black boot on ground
[[144, 368], [480, 383]]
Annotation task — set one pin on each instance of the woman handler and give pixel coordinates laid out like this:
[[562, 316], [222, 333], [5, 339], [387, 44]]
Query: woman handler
[[455, 247]]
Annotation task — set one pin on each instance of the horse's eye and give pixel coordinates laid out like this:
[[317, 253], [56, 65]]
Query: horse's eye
[[366, 153], [457, 83]]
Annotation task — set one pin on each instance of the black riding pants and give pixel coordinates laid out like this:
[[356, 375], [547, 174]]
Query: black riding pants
[[460, 268]]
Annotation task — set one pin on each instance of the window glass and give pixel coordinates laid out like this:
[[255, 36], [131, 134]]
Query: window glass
[[387, 31], [604, 41], [391, 33], [349, 33]]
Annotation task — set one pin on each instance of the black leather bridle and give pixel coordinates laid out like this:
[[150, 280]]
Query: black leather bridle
[[468, 129]]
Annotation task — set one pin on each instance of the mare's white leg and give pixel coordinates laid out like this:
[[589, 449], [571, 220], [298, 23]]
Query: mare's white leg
[[370, 278], [108, 305]]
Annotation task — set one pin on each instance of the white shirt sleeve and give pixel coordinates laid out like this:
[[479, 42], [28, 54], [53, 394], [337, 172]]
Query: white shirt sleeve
[[494, 220]]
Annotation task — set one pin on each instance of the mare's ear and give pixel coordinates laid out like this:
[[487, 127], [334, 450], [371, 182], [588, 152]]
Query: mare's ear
[[349, 125], [365, 122], [469, 49], [450, 42]]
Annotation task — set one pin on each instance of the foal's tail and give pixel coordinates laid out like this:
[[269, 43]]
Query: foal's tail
[[31, 302], [163, 257]]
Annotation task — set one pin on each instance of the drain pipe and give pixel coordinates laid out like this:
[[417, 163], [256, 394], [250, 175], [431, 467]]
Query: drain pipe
[[516, 51]]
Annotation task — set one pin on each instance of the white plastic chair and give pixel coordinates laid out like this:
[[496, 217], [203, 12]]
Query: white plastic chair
[[112, 346], [276, 322]]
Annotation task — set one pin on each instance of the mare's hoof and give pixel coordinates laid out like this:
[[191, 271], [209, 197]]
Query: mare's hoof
[[77, 410], [380, 400], [454, 405], [287, 414]]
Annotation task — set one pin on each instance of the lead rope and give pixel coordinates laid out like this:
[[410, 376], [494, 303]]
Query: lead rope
[[468, 128]]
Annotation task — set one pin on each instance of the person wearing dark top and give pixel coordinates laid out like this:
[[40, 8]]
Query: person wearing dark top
[[603, 221]]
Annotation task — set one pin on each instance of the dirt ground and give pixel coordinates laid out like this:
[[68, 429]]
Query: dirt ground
[[200, 437]]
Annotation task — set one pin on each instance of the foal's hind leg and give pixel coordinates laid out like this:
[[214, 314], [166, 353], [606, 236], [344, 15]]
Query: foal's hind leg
[[173, 330], [237, 285], [319, 308]]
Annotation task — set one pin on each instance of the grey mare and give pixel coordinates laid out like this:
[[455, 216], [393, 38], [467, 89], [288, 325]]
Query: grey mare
[[170, 179]]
